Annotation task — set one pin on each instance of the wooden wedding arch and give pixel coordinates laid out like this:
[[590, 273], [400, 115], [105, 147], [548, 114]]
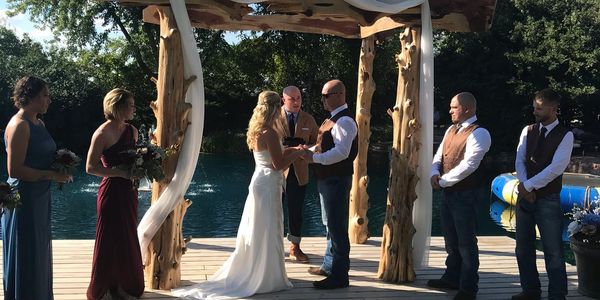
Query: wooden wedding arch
[[335, 17]]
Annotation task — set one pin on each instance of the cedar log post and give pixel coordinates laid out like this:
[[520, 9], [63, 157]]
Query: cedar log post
[[396, 263], [359, 199], [162, 269]]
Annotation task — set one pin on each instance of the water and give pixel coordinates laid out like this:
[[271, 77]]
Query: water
[[218, 191]]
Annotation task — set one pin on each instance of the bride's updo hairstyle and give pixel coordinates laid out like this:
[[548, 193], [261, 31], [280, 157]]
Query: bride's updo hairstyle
[[267, 113], [115, 102]]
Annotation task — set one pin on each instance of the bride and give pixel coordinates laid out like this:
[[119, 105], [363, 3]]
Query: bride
[[257, 263]]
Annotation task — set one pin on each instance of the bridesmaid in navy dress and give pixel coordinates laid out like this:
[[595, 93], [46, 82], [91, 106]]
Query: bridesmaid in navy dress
[[117, 266], [26, 230]]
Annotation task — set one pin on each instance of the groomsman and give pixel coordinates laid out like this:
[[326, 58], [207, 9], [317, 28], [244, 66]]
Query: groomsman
[[456, 170], [543, 154], [301, 129]]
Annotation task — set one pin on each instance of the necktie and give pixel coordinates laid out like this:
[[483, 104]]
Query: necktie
[[457, 128], [541, 138], [292, 125], [540, 143]]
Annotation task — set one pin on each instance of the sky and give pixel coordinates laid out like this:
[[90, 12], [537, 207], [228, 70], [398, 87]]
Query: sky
[[21, 24]]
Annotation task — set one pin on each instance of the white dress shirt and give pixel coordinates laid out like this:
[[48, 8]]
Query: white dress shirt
[[478, 143], [343, 131], [559, 163]]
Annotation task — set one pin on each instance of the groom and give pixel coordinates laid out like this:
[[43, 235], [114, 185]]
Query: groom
[[333, 157]]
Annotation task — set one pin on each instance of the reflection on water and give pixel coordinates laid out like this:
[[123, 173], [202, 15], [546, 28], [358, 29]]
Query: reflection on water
[[218, 191], [505, 216]]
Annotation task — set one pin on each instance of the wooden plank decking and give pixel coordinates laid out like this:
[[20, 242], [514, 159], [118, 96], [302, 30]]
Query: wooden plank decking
[[498, 271]]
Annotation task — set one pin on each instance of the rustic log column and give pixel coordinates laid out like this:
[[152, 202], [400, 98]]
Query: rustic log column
[[162, 269], [358, 230], [396, 263]]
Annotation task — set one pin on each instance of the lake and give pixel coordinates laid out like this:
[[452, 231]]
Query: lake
[[218, 191]]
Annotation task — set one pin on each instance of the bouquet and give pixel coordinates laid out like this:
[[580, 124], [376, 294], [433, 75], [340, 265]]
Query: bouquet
[[145, 161], [65, 163], [9, 197], [586, 223]]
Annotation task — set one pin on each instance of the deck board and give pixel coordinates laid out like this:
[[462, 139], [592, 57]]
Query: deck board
[[499, 276]]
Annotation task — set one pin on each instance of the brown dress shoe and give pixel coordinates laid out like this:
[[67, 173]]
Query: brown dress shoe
[[526, 296], [330, 283], [316, 271], [442, 284], [297, 254]]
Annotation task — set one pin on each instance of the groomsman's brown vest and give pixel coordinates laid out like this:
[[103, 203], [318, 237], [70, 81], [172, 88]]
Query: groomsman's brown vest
[[325, 143], [537, 160], [453, 153]]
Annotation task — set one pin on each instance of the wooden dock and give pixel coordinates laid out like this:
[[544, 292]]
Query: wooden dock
[[499, 277]]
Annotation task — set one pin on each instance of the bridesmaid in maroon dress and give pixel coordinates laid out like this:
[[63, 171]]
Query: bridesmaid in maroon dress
[[117, 267]]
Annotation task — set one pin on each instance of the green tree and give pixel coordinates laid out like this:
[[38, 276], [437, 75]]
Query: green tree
[[559, 46], [76, 22], [531, 45]]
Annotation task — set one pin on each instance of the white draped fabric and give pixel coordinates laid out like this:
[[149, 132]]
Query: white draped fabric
[[193, 136], [422, 208], [188, 157]]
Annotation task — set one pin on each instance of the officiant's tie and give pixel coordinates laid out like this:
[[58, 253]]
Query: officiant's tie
[[291, 124]]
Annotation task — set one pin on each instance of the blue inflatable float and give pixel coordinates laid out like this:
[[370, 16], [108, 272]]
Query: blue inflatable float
[[578, 189]]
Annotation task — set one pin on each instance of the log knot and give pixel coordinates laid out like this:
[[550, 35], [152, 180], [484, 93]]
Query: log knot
[[364, 180]]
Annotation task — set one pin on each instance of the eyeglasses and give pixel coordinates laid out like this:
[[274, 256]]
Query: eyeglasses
[[326, 96]]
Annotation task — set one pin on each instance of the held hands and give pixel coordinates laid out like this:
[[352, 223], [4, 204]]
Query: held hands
[[307, 155], [435, 182], [302, 152], [523, 193]]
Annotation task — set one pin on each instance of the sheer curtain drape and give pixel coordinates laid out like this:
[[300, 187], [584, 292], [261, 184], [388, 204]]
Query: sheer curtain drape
[[188, 157]]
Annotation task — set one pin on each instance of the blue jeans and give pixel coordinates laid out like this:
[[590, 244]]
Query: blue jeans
[[459, 226], [547, 215], [335, 196]]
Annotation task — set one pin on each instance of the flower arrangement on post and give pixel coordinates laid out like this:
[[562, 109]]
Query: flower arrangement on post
[[65, 163], [586, 223], [145, 161], [9, 196]]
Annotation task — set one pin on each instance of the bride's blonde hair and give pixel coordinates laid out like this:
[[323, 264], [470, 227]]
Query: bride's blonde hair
[[267, 113]]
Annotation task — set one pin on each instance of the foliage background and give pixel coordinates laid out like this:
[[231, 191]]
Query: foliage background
[[532, 44]]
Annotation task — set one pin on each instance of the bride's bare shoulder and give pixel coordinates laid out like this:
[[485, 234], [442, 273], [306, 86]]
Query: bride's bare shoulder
[[267, 137], [266, 133]]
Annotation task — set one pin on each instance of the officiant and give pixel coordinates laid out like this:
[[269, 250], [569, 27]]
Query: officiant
[[300, 128]]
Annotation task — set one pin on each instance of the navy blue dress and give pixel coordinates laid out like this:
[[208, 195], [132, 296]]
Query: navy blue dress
[[26, 230]]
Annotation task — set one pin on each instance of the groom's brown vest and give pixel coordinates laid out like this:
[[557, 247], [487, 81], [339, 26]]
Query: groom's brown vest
[[325, 143]]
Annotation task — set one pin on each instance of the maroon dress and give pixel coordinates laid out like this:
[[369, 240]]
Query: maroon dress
[[117, 257]]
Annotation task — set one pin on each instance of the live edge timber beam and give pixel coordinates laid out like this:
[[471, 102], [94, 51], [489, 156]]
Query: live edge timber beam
[[335, 17]]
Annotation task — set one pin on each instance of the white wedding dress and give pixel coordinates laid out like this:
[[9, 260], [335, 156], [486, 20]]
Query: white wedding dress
[[257, 265]]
